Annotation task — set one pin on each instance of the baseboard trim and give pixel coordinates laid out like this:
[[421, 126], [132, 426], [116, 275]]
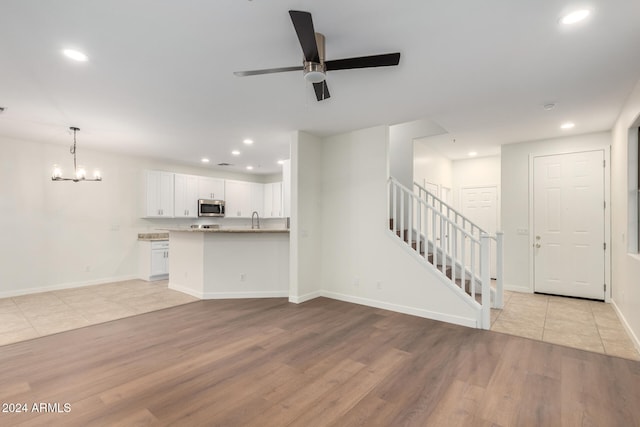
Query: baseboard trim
[[433, 315], [186, 290], [625, 324], [62, 286], [516, 288], [306, 297], [239, 295], [249, 294]]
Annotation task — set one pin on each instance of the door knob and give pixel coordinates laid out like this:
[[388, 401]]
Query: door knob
[[537, 245]]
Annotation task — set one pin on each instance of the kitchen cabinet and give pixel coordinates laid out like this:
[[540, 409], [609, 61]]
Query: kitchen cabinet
[[273, 200], [257, 199], [238, 199], [159, 193], [185, 196], [210, 188], [243, 198], [153, 260]]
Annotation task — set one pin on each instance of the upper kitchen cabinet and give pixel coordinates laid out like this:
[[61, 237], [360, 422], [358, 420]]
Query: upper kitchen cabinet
[[257, 199], [238, 199], [243, 198], [159, 192], [186, 196], [273, 200], [210, 188]]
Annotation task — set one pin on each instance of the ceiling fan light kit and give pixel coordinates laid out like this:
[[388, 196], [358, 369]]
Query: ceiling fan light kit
[[314, 66], [314, 73]]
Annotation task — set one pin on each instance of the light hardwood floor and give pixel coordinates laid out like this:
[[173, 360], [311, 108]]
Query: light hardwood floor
[[585, 325], [268, 363]]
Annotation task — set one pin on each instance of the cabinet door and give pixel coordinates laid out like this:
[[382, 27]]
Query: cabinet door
[[210, 188], [268, 200], [276, 199], [186, 196], [237, 198], [159, 194], [273, 200], [159, 262], [257, 199]]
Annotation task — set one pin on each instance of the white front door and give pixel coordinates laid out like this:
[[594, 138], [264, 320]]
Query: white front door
[[568, 224], [480, 205]]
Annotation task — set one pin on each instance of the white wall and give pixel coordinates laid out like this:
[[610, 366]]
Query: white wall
[[401, 138], [63, 234], [625, 266], [362, 261], [515, 199], [306, 211], [431, 166]]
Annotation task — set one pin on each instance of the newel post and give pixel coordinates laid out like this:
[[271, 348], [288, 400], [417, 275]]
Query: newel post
[[485, 277]]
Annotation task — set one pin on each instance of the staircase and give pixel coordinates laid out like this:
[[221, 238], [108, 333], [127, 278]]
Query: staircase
[[449, 242]]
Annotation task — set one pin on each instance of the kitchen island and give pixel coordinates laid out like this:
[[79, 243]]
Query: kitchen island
[[230, 262]]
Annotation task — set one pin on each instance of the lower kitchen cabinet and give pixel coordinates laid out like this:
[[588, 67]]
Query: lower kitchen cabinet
[[154, 259]]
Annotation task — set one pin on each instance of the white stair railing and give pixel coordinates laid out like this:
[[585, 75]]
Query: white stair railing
[[474, 230], [451, 243], [447, 210]]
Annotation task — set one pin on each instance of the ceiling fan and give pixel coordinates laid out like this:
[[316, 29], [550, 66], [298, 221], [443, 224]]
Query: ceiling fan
[[314, 65]]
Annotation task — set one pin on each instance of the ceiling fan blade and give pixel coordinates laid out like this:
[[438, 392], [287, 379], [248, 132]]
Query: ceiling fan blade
[[322, 90], [384, 60], [303, 24], [266, 71]]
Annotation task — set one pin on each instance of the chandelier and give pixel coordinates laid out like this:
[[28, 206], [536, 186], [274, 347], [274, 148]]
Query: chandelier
[[80, 173]]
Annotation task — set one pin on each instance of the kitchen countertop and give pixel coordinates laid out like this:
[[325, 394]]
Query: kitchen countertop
[[151, 237], [230, 230]]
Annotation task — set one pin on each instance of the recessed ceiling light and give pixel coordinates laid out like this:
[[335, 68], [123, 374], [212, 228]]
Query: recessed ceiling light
[[549, 106], [473, 153], [575, 16], [568, 125], [235, 152], [75, 55], [249, 168], [281, 162], [248, 141], [204, 160]]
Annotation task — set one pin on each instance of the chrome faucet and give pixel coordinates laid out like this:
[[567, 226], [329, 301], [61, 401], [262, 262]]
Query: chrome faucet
[[255, 214]]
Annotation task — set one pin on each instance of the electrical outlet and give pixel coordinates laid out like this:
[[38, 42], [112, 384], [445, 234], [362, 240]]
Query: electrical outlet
[[378, 285], [243, 277], [356, 282]]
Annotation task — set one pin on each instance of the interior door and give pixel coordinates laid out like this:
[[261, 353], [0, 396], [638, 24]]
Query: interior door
[[568, 224], [480, 205]]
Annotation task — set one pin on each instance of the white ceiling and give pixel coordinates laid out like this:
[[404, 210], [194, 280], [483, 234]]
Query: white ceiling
[[159, 81]]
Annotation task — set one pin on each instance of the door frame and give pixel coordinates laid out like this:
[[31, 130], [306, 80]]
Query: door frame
[[607, 214]]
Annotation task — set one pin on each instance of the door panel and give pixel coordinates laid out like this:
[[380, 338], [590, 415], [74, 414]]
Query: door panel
[[480, 205], [568, 224]]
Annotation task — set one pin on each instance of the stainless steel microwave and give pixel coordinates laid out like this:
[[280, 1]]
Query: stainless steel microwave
[[207, 207]]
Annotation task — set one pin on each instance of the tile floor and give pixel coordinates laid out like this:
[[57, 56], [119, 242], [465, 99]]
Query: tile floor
[[587, 325], [35, 315]]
